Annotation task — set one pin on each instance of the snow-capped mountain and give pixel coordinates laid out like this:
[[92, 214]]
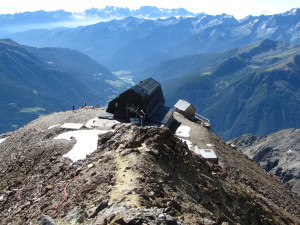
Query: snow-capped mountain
[[11, 23], [137, 43], [143, 12]]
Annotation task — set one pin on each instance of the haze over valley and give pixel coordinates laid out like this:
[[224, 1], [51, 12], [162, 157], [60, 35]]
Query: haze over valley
[[206, 54]]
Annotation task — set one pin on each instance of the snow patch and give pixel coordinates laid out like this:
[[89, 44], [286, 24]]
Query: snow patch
[[210, 145], [105, 124], [56, 125], [90, 165], [289, 152], [89, 124], [86, 142], [183, 131], [73, 126], [2, 139], [271, 30], [189, 144]]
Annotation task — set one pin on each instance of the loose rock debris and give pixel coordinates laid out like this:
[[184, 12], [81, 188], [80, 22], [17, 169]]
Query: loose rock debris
[[137, 175]]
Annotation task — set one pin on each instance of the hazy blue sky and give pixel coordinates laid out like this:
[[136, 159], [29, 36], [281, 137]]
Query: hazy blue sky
[[238, 8]]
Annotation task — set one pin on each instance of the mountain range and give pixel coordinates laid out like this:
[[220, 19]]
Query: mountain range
[[136, 44], [150, 12], [11, 23], [227, 68], [251, 89], [36, 81]]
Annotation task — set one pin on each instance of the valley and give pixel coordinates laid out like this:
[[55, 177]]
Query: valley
[[40, 81]]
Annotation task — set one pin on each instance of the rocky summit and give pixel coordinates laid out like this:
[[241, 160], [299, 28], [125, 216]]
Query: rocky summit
[[136, 175]]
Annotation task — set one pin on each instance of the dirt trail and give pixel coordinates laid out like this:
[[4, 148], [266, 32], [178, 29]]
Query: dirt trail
[[126, 182]]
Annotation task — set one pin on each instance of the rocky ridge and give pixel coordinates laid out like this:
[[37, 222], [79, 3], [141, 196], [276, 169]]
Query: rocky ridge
[[278, 153], [137, 175]]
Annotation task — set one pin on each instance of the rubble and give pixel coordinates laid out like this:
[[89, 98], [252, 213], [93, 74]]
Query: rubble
[[137, 175]]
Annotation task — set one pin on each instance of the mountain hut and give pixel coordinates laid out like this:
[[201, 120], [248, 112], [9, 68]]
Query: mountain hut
[[144, 102]]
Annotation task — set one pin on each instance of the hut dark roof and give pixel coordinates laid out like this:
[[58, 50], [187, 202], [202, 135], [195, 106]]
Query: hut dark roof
[[145, 87]]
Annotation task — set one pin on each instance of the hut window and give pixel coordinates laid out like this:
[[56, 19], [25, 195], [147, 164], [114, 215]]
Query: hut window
[[116, 104]]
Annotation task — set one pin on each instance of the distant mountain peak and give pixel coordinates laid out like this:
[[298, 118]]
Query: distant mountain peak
[[293, 12], [8, 41], [258, 48], [143, 11], [268, 44]]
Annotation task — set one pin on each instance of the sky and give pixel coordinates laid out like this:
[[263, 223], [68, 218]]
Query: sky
[[237, 8]]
